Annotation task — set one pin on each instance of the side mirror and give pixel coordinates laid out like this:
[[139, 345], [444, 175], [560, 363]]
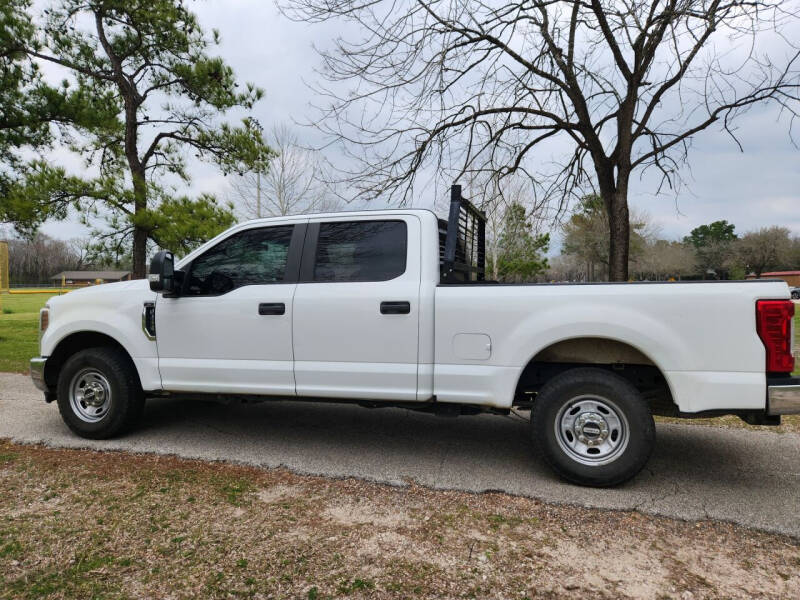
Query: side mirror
[[162, 272]]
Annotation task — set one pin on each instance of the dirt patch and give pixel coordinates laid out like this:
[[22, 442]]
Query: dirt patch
[[364, 512], [80, 524], [279, 493]]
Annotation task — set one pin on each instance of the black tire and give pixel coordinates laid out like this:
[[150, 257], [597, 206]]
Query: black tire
[[102, 369], [584, 394]]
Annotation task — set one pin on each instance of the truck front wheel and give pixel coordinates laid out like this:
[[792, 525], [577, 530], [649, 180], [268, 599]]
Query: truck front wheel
[[99, 395], [592, 427]]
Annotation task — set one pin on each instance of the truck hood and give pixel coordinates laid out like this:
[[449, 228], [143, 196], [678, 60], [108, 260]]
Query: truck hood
[[103, 293]]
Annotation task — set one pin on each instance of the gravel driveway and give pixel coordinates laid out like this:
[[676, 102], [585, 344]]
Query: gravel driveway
[[747, 477]]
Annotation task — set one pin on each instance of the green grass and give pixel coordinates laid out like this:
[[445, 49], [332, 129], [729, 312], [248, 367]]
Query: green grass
[[24, 303], [19, 323], [73, 581]]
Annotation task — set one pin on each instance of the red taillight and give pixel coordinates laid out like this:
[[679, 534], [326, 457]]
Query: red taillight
[[774, 326]]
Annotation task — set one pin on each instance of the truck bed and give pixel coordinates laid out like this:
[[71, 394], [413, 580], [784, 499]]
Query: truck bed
[[701, 336]]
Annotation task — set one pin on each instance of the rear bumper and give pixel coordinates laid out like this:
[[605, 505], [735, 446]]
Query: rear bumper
[[783, 396]]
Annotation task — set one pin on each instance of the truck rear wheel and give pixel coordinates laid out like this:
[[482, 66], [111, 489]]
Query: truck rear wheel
[[592, 427], [99, 395]]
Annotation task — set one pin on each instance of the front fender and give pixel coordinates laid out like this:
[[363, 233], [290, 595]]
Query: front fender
[[118, 316]]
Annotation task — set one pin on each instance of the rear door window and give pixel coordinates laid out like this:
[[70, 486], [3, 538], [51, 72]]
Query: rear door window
[[361, 251]]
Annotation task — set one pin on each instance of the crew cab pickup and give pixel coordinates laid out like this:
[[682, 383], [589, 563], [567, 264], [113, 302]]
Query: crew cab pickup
[[391, 308]]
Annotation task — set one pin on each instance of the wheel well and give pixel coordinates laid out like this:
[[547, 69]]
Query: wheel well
[[623, 359], [73, 343]]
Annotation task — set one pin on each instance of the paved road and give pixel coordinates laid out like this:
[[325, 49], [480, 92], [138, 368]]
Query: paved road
[[748, 477]]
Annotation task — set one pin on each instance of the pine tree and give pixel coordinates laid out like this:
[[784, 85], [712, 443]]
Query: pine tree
[[149, 59]]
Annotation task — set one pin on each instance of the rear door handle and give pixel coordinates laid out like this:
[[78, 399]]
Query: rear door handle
[[395, 308], [271, 308]]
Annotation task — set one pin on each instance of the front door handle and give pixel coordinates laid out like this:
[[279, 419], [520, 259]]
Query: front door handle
[[271, 308], [395, 308]]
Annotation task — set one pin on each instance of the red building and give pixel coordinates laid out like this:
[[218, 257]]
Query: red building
[[83, 278], [790, 277]]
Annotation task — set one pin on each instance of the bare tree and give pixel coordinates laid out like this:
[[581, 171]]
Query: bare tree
[[612, 86], [586, 236], [81, 248], [498, 196], [664, 259], [37, 259], [293, 183], [764, 249], [793, 259], [566, 267]]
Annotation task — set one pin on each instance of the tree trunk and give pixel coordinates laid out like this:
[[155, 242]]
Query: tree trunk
[[132, 101], [140, 234], [619, 238], [139, 253], [615, 199], [614, 192], [137, 169]]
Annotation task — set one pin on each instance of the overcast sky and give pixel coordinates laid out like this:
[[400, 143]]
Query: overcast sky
[[754, 188]]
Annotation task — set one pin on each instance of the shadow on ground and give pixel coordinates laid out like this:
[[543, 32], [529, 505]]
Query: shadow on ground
[[748, 477]]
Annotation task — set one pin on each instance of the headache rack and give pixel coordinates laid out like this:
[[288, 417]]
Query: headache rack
[[462, 241]]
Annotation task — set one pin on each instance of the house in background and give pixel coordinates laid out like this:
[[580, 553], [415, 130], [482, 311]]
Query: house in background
[[790, 277], [84, 278]]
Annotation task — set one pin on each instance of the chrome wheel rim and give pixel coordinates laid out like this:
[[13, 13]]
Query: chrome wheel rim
[[592, 430], [90, 395]]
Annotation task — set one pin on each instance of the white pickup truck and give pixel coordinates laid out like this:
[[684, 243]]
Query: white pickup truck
[[390, 308]]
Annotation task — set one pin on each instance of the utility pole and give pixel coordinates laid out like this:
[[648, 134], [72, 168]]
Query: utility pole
[[258, 194], [4, 276]]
